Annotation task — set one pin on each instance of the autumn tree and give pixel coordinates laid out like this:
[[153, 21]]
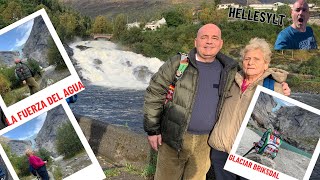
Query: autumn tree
[[101, 25], [68, 25], [12, 12], [120, 25]]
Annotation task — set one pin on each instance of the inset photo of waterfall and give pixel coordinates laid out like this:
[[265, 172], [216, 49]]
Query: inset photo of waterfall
[[279, 137], [49, 146]]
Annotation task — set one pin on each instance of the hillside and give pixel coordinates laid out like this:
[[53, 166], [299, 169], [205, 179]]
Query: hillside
[[140, 8]]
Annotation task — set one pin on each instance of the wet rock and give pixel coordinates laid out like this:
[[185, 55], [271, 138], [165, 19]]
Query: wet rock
[[82, 48], [142, 73]]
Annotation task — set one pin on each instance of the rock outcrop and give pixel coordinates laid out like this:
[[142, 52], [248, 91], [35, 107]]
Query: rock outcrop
[[36, 47], [298, 127], [47, 135], [19, 147], [116, 143], [7, 57]]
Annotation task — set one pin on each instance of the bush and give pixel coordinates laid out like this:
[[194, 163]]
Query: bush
[[34, 66], [312, 67], [19, 163], [9, 73], [68, 142], [57, 173], [44, 154], [54, 56], [4, 84]]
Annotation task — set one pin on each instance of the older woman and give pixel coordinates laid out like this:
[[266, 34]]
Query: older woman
[[38, 164], [256, 57]]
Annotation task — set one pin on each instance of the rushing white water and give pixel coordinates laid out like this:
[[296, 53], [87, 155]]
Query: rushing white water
[[104, 65]]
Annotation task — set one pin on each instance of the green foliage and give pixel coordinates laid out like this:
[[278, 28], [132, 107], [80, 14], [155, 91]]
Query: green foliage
[[34, 66], [57, 173], [112, 172], [131, 36], [67, 25], [162, 43], [174, 18], [19, 163], [101, 25], [9, 74], [15, 95], [4, 84], [150, 169], [44, 155], [119, 26], [12, 12], [54, 56], [312, 67], [286, 10], [316, 32], [68, 142]]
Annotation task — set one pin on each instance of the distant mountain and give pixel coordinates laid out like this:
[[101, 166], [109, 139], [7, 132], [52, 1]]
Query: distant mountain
[[139, 8], [7, 57], [19, 147]]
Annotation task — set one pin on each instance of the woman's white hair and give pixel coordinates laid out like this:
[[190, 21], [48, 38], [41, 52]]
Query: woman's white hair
[[28, 152], [258, 43]]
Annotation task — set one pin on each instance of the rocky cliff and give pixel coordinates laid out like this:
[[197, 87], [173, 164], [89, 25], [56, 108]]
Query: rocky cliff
[[47, 135], [36, 47], [7, 57], [19, 147], [299, 127]]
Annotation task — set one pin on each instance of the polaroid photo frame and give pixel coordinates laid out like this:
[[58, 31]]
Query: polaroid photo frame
[[91, 171], [250, 169], [53, 94]]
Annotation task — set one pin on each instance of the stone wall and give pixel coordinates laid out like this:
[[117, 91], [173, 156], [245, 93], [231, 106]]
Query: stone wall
[[116, 143]]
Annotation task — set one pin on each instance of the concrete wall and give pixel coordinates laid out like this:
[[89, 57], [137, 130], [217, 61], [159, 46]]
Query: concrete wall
[[116, 143]]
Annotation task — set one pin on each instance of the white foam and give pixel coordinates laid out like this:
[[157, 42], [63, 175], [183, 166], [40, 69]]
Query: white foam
[[117, 67]]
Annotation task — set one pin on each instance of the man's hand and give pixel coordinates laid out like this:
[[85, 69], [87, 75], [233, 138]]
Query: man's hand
[[154, 141], [24, 82], [285, 88]]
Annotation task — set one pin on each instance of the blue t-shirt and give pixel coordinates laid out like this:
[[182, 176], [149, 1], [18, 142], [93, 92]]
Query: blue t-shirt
[[203, 115], [290, 38]]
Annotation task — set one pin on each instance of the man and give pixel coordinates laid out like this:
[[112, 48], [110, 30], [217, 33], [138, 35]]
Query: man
[[25, 75], [180, 128], [298, 35]]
